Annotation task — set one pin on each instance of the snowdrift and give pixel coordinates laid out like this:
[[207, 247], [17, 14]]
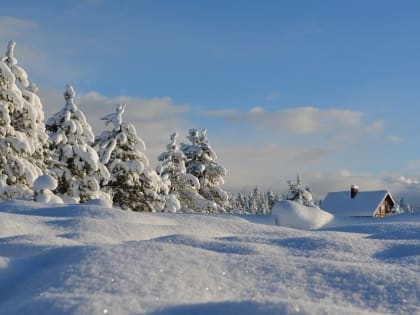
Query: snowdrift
[[295, 215], [86, 259]]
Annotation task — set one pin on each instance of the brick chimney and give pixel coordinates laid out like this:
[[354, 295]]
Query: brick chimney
[[353, 191]]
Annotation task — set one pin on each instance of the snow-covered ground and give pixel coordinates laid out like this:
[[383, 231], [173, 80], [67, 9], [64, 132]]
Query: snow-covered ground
[[84, 259]]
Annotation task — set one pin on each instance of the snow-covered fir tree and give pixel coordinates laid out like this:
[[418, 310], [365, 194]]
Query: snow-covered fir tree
[[70, 136], [184, 185], [28, 116], [298, 194], [133, 184], [201, 162], [22, 133]]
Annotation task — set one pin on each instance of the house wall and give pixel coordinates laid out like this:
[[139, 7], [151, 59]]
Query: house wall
[[385, 208]]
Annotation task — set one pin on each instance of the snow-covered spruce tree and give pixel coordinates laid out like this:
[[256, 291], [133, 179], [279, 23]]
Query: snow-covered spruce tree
[[201, 162], [70, 136], [28, 116], [133, 185], [298, 194], [22, 135], [185, 186]]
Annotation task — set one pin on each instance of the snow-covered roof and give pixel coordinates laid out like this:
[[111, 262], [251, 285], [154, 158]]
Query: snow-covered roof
[[365, 203]]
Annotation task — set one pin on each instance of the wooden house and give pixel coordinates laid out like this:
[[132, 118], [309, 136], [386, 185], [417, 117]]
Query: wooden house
[[355, 203]]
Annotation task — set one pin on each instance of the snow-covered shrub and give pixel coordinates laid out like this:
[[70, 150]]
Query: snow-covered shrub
[[80, 173], [201, 162], [43, 188], [298, 194], [133, 185]]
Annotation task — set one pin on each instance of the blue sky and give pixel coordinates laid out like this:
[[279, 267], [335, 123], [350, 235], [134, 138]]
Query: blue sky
[[329, 89]]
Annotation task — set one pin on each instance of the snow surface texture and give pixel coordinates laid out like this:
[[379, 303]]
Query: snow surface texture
[[85, 259]]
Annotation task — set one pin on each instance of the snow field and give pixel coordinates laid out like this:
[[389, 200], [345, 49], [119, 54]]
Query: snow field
[[85, 259]]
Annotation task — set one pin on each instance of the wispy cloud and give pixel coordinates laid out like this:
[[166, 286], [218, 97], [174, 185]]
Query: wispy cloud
[[305, 120], [41, 52], [14, 28]]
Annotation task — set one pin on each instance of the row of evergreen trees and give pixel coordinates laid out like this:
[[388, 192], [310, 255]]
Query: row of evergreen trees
[[256, 201], [65, 160]]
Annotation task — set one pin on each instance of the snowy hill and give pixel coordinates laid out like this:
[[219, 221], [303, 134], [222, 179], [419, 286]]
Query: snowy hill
[[84, 259]]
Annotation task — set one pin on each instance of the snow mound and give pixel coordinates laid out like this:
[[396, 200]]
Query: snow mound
[[101, 202], [45, 182], [295, 215]]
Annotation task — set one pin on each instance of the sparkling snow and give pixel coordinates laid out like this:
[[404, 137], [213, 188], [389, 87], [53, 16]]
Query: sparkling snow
[[86, 259]]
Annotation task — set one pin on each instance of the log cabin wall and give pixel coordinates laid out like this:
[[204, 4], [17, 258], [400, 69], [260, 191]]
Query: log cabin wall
[[385, 207]]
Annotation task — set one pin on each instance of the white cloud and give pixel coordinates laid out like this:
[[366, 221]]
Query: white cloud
[[407, 180], [256, 111], [341, 124], [312, 120]]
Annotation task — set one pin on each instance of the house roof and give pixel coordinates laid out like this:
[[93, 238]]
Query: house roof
[[365, 203]]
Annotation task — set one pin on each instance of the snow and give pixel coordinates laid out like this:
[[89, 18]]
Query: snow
[[115, 118], [87, 259], [296, 215], [44, 182], [364, 203]]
